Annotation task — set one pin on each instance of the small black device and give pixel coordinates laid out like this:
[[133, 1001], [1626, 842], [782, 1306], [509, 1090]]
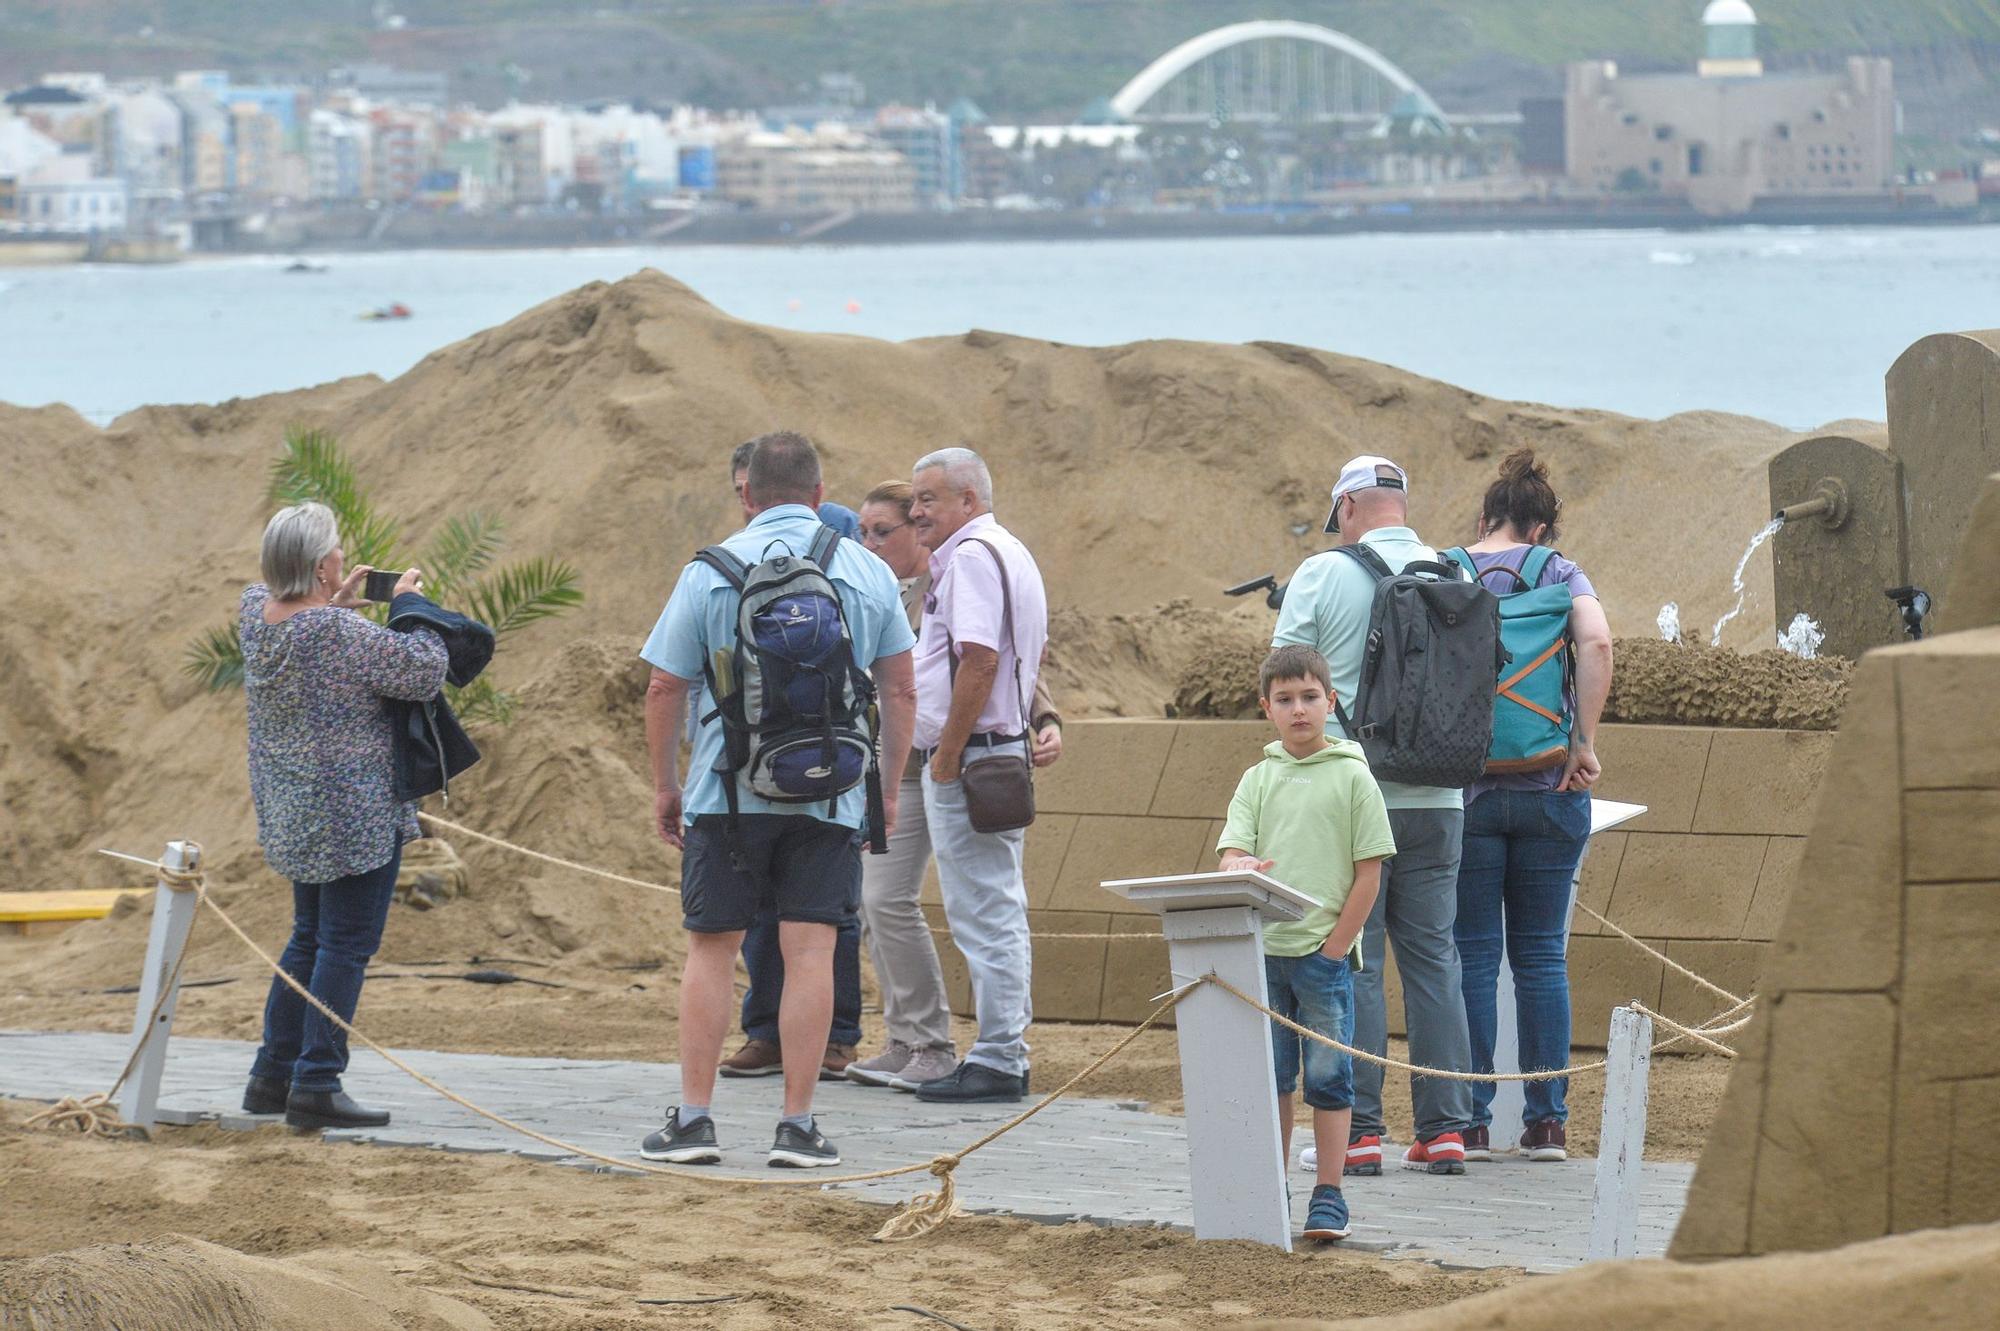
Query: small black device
[[1274, 592], [381, 584], [1915, 603]]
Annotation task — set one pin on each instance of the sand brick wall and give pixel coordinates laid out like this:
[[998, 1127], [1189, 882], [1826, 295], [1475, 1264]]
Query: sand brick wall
[[1704, 876], [1867, 1098]]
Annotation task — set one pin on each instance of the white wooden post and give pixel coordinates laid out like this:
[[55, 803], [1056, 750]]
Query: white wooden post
[[1510, 1097], [1214, 924], [173, 916], [1621, 1143]]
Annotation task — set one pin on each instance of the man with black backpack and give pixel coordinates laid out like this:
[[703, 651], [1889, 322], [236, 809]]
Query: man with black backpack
[[799, 641], [1414, 650]]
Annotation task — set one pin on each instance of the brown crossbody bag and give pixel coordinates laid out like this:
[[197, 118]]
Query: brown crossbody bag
[[999, 788]]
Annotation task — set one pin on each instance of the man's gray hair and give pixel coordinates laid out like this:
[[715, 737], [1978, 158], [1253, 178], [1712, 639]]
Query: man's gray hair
[[295, 540], [963, 470]]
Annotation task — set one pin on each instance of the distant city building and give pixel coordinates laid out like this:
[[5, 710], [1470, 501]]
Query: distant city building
[[338, 155], [76, 206], [928, 139], [402, 151], [1730, 134], [828, 169]]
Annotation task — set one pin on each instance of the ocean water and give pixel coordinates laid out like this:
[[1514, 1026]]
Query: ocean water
[[1793, 325]]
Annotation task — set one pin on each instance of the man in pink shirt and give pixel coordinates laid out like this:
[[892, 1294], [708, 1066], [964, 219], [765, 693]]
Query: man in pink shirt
[[976, 662]]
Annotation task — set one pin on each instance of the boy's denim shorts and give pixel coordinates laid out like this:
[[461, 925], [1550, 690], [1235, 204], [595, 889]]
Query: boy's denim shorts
[[1318, 993]]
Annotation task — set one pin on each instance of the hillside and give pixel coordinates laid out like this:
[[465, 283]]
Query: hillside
[[1146, 478], [1026, 59]]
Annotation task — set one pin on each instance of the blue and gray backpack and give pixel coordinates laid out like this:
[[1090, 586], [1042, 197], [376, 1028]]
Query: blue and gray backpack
[[1531, 701], [798, 714]]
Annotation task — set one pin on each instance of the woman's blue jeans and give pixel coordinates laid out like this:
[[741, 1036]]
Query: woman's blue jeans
[[1520, 856], [336, 928]]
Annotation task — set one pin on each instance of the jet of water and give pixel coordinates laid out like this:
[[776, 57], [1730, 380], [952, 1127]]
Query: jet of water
[[1669, 622], [1803, 638], [1736, 582]]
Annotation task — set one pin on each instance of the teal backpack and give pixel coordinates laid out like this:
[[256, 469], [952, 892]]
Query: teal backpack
[[1531, 715]]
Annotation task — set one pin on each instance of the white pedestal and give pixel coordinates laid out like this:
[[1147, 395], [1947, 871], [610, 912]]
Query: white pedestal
[[1214, 924], [1510, 1097]]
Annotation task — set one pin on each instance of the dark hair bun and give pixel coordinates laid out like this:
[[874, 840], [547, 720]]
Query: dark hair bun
[[1520, 465]]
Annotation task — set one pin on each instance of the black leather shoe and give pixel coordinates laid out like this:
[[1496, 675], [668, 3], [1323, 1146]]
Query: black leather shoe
[[974, 1084], [331, 1109], [266, 1095]]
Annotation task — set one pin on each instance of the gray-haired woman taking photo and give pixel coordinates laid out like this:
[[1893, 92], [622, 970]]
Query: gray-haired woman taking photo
[[317, 677]]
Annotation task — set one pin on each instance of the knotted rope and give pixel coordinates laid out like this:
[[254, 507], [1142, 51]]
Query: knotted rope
[[95, 1115]]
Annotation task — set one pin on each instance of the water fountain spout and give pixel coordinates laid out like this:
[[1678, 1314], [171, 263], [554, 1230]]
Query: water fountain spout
[[1828, 504]]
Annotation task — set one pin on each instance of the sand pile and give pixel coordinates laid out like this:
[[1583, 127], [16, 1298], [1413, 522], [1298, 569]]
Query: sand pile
[[183, 1284], [1652, 683], [596, 427], [1664, 683], [1944, 1280]]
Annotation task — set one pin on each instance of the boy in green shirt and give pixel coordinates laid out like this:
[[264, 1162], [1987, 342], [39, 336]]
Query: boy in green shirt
[[1311, 816]]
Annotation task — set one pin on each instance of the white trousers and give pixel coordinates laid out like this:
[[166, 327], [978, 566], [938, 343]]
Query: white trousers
[[914, 1004], [986, 905]]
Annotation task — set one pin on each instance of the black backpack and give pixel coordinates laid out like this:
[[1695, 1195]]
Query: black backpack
[[1424, 710], [798, 713]]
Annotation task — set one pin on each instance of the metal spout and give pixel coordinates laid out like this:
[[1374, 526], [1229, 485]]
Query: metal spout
[[1828, 504]]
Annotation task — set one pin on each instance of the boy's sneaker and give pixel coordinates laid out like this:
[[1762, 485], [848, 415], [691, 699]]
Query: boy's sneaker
[[1326, 1214], [757, 1058], [1364, 1156], [926, 1065], [1442, 1154], [1545, 1140], [1478, 1143], [881, 1069], [797, 1149], [693, 1144]]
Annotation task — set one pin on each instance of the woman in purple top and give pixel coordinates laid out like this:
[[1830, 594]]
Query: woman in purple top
[[316, 677], [1525, 832]]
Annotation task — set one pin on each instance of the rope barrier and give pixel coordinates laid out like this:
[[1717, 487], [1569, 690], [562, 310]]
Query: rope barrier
[[95, 1115], [92, 1115], [1697, 1034], [919, 1216], [1658, 955], [557, 860]]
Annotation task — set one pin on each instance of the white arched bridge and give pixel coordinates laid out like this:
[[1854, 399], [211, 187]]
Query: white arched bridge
[[1269, 70]]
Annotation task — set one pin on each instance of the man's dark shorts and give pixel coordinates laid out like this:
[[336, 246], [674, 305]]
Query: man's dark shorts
[[804, 869]]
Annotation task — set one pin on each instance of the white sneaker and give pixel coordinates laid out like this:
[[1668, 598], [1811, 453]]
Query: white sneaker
[[1309, 1159], [925, 1065], [881, 1069]]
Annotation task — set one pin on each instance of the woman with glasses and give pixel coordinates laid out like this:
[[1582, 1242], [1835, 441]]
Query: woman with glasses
[[914, 1007]]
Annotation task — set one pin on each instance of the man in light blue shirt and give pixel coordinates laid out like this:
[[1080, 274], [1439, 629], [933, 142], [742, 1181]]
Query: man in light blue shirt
[[1327, 607], [801, 860]]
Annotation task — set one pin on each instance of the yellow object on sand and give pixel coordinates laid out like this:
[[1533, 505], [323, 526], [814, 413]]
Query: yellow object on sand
[[22, 909]]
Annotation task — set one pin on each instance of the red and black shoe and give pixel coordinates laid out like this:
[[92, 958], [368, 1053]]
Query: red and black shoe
[[1442, 1154]]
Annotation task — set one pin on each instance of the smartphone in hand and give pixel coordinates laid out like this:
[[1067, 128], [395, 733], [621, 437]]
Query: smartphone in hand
[[381, 585]]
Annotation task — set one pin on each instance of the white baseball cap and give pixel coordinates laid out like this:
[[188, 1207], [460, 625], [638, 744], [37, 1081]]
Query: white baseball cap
[[1365, 473]]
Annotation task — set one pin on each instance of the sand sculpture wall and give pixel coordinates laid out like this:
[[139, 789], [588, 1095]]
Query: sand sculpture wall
[[1867, 1098], [1704, 875]]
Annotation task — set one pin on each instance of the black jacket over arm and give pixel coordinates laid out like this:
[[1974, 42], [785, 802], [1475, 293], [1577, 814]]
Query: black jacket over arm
[[431, 745]]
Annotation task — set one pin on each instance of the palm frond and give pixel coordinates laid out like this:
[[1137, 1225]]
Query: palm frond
[[216, 659], [481, 702], [313, 468], [462, 549], [522, 593]]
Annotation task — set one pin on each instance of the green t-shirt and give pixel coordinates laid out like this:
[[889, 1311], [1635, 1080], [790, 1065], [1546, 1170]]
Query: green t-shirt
[[1314, 817]]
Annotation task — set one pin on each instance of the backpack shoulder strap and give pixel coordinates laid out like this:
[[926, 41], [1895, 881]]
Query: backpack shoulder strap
[[733, 570], [1537, 563], [822, 548], [1378, 567]]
